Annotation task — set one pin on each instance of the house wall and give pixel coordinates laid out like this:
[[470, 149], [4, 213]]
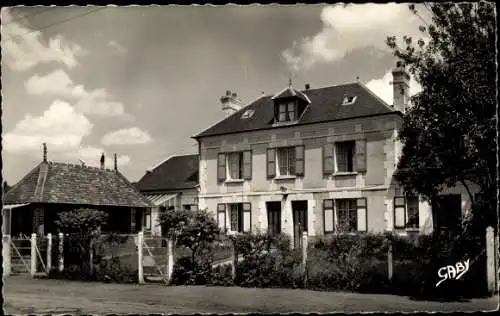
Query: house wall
[[425, 208], [378, 132]]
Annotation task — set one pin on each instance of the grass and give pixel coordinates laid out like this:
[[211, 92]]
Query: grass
[[24, 295]]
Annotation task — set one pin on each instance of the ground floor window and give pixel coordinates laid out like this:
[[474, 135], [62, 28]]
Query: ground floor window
[[345, 215], [146, 219], [406, 212], [190, 207], [237, 214], [274, 217]]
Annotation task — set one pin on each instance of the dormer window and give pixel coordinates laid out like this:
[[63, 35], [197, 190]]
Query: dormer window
[[287, 112], [247, 114], [349, 99]]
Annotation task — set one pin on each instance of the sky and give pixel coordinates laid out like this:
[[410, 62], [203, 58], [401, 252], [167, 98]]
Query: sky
[[140, 81]]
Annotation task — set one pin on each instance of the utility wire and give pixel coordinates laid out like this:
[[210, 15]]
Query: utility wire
[[28, 15], [57, 23]]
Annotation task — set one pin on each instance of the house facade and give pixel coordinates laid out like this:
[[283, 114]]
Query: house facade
[[316, 160], [173, 183], [32, 205]]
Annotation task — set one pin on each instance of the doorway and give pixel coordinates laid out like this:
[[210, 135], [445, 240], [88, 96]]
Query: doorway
[[299, 209], [448, 212]]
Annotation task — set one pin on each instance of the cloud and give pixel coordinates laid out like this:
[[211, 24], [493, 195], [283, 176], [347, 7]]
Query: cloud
[[59, 84], [60, 126], [117, 47], [350, 27], [23, 48], [92, 157], [131, 136], [383, 88]]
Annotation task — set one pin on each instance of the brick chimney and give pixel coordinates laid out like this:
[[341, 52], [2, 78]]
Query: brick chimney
[[230, 103], [102, 161], [401, 87]]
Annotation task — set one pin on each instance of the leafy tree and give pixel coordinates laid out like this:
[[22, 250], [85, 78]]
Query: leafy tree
[[82, 227], [195, 230], [449, 132]]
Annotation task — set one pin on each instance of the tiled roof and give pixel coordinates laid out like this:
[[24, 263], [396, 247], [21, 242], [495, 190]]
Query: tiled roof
[[52, 182], [326, 105], [175, 173]]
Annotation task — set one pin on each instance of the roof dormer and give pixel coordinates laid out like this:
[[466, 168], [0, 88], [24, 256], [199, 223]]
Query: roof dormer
[[289, 105]]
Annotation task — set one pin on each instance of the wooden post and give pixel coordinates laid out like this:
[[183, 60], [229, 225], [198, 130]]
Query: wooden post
[[170, 259], [304, 257], [49, 253], [389, 260], [234, 261], [140, 266], [33, 254], [6, 259], [490, 260], [61, 252]]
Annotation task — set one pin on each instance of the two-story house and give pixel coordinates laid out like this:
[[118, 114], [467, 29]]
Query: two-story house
[[316, 160]]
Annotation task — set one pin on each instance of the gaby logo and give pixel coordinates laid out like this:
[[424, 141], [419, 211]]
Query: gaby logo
[[453, 272]]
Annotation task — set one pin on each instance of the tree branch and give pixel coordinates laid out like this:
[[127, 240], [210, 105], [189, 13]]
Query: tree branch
[[468, 190]]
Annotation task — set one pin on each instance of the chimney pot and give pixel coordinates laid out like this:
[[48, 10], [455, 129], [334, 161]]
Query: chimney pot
[[116, 162], [44, 152], [228, 93], [308, 86], [102, 160]]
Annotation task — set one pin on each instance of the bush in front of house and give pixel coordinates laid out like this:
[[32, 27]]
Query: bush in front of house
[[349, 263]]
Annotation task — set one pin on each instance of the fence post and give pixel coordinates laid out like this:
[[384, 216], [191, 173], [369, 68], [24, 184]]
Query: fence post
[[61, 252], [170, 259], [389, 259], [304, 257], [6, 259], [33, 254], [49, 253], [234, 261], [140, 266], [490, 259]]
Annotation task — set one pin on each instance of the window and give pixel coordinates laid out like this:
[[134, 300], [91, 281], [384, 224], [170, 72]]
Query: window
[[190, 207], [285, 161], [247, 114], [406, 212], [349, 99], [345, 215], [239, 217], [287, 112], [234, 166], [235, 162], [344, 156], [146, 219], [348, 156]]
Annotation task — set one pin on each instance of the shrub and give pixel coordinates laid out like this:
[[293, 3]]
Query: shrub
[[221, 275]]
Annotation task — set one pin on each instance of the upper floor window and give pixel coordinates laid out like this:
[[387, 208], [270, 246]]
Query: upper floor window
[[349, 99], [234, 166], [347, 156], [285, 161], [287, 112]]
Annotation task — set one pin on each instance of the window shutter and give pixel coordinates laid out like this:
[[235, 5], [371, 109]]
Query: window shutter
[[247, 165], [361, 155], [328, 159], [221, 216], [362, 215], [299, 160], [247, 217], [271, 162], [221, 167], [399, 212], [328, 216]]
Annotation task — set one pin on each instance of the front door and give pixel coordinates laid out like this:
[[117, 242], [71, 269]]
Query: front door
[[299, 209], [448, 212], [274, 217]]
